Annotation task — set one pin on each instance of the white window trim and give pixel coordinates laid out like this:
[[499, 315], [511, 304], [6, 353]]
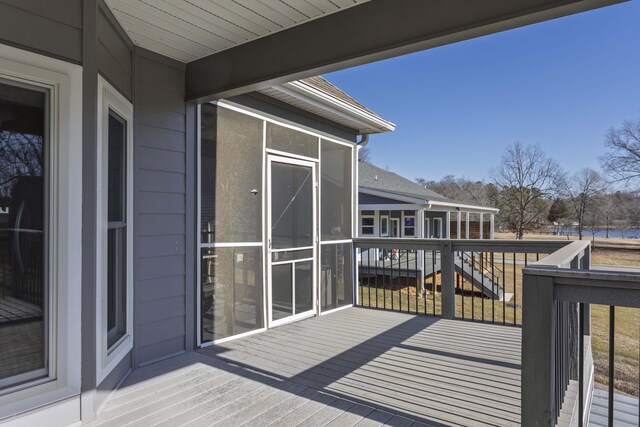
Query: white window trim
[[64, 80], [438, 228], [384, 217], [108, 358], [404, 227], [374, 226]]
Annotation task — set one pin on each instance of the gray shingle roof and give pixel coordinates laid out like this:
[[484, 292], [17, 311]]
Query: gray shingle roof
[[374, 178]]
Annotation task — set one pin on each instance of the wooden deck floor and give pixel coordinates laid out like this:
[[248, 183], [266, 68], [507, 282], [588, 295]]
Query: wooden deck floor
[[355, 367]]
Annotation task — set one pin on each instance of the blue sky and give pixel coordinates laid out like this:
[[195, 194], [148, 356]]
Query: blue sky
[[561, 84]]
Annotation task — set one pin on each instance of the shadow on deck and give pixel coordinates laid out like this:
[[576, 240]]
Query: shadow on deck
[[357, 366]]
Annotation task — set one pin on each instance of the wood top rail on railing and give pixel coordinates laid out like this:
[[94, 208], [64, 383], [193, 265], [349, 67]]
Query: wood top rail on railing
[[479, 245]]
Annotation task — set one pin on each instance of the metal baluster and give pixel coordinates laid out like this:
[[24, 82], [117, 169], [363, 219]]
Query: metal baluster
[[376, 276], [415, 267], [581, 368], [473, 294], [493, 289], [433, 280], [462, 280], [612, 346], [515, 284], [504, 289], [482, 282], [369, 277]]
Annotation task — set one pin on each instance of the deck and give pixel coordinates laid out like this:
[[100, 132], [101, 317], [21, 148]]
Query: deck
[[355, 367]]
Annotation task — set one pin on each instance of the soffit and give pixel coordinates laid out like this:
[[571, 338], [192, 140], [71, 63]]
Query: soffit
[[187, 30]]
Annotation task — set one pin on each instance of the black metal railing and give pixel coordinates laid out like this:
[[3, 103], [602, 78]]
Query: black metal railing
[[466, 279]]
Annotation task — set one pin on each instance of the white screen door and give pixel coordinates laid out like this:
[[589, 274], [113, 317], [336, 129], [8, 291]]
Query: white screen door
[[291, 239]]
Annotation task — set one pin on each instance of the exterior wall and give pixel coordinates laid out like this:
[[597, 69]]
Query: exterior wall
[[368, 199], [53, 28], [114, 52], [162, 218], [288, 115]]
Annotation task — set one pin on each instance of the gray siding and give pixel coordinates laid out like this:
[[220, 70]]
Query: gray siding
[[161, 213], [368, 199], [53, 28], [114, 52]]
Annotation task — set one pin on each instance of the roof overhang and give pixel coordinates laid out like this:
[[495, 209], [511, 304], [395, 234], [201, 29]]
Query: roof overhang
[[313, 100], [419, 203], [236, 47]]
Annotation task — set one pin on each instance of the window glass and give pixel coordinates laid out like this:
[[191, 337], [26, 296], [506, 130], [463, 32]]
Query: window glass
[[23, 233], [231, 176], [231, 292], [336, 194], [409, 226], [336, 288], [367, 228], [117, 229], [291, 141]]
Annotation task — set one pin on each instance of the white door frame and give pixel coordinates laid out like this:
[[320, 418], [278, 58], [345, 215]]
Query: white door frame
[[394, 222], [314, 311]]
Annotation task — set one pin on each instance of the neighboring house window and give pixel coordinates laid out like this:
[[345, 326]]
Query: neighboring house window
[[115, 279], [437, 228], [410, 226], [384, 226], [368, 226]]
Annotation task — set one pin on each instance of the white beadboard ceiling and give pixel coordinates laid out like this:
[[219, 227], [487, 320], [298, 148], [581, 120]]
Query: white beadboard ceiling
[[187, 30]]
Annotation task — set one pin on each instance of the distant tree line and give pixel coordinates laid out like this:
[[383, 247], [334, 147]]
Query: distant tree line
[[533, 192]]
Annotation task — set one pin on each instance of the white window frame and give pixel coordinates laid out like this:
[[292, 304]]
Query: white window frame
[[62, 382], [373, 227], [107, 358], [437, 225], [384, 219], [404, 226]]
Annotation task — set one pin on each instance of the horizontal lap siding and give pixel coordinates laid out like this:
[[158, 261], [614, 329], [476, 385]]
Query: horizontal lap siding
[[53, 28], [114, 52], [161, 211]]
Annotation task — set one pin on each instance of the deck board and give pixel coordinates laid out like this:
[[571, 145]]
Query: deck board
[[356, 367]]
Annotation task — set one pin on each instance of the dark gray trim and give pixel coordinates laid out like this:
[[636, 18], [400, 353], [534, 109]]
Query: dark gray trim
[[284, 113], [51, 28], [191, 227], [372, 31]]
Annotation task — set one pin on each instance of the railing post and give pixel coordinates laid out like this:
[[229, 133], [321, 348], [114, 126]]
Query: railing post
[[586, 316], [539, 313], [447, 281]]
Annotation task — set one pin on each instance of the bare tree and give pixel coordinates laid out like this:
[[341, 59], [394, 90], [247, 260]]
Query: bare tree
[[582, 191], [622, 161], [526, 177]]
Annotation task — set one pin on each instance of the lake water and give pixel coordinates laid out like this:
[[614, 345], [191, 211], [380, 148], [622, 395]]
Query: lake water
[[613, 232]]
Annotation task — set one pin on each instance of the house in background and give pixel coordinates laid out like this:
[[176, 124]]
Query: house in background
[[393, 206]]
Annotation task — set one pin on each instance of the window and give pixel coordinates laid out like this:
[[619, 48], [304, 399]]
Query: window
[[115, 279], [437, 228], [409, 226], [40, 236], [384, 226], [368, 226], [117, 229], [24, 210]]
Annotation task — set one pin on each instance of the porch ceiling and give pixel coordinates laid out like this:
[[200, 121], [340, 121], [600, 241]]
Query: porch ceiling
[[187, 30]]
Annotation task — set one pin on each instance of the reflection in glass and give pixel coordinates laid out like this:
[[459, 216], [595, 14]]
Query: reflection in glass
[[117, 229], [336, 196], [291, 206], [336, 289], [231, 292], [23, 290], [281, 291]]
